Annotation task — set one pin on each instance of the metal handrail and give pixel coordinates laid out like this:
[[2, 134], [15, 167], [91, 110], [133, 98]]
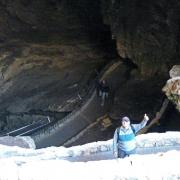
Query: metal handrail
[[16, 130], [32, 130]]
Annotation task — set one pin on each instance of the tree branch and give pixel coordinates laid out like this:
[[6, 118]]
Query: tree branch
[[156, 119]]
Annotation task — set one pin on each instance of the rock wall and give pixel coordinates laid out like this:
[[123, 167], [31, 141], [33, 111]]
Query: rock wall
[[144, 141], [49, 16], [172, 86], [146, 32], [51, 51]]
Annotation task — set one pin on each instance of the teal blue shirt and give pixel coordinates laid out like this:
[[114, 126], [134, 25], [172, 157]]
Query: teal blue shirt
[[124, 139]]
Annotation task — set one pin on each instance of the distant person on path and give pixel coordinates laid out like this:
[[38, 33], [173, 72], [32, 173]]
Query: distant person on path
[[103, 91], [124, 141]]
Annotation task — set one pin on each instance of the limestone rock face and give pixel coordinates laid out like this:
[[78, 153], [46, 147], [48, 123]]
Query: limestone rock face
[[47, 16], [146, 32], [175, 71], [50, 50], [172, 87]]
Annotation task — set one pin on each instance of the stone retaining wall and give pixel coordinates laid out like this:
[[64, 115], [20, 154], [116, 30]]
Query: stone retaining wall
[[144, 141]]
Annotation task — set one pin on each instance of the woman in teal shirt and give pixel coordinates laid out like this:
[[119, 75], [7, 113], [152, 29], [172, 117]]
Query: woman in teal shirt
[[124, 142]]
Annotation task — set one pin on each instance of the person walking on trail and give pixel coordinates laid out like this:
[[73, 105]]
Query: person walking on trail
[[124, 142], [103, 91]]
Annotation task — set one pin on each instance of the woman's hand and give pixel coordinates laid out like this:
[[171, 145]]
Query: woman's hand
[[146, 117]]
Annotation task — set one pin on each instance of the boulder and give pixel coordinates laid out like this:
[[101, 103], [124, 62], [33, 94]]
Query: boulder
[[175, 71], [24, 142], [172, 87]]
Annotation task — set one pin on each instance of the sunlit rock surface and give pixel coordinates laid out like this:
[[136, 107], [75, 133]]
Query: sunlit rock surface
[[20, 141], [172, 87], [93, 161]]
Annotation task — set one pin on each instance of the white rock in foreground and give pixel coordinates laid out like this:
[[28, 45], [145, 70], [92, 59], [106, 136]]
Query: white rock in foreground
[[20, 141], [55, 163]]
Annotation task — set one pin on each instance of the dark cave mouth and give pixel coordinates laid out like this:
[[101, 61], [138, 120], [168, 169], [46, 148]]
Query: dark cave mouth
[[84, 25]]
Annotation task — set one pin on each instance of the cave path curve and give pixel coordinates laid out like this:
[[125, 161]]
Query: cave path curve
[[77, 121]]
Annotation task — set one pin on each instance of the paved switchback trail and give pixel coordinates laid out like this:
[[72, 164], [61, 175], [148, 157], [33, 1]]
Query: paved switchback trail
[[85, 116]]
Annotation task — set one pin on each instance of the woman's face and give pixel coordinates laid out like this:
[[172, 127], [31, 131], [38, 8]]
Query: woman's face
[[126, 124]]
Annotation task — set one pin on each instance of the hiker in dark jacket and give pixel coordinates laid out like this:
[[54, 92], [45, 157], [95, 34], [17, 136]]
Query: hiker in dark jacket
[[103, 91], [124, 142]]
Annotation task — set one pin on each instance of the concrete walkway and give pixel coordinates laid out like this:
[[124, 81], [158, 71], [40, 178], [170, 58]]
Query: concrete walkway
[[76, 123]]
